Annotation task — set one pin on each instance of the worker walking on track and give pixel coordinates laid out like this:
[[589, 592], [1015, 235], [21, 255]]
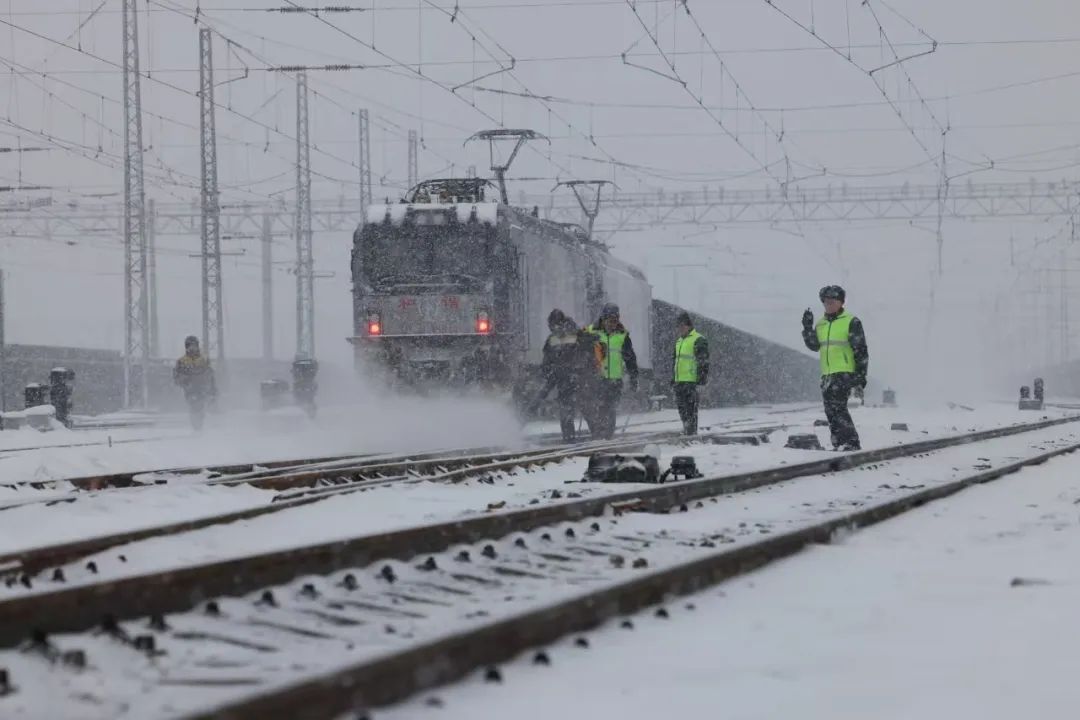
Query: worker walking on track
[[569, 367], [196, 378], [845, 360], [690, 369], [617, 358]]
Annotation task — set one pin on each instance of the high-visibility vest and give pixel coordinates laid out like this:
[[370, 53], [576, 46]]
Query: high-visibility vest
[[836, 354], [686, 367], [612, 366]]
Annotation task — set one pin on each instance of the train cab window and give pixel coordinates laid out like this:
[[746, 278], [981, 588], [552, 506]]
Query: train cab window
[[425, 253]]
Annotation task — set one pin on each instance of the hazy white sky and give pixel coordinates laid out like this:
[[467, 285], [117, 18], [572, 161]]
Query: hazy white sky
[[1003, 79]]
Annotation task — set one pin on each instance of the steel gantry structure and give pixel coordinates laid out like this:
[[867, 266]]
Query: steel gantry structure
[[305, 263], [73, 221], [54, 219], [213, 326], [136, 295]]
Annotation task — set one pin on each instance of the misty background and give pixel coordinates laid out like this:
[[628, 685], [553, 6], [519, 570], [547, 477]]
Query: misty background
[[652, 95]]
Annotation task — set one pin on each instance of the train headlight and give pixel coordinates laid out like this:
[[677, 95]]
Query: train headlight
[[483, 323], [374, 324]]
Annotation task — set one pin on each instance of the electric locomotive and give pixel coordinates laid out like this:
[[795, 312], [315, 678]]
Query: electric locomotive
[[452, 288]]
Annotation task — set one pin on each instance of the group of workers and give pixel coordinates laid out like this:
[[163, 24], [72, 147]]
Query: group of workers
[[586, 367]]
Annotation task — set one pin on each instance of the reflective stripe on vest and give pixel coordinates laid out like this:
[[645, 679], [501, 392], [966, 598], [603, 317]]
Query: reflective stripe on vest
[[612, 366], [836, 354], [686, 367]]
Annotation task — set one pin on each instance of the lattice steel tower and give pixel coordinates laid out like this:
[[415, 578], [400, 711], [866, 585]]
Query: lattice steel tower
[[213, 326], [414, 174], [136, 297], [305, 265], [365, 163]]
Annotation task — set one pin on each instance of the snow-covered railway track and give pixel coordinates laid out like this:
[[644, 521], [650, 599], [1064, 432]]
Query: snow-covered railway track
[[300, 485], [253, 472], [576, 550]]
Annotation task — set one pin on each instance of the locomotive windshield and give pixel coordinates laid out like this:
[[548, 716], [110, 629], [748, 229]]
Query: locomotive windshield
[[424, 255]]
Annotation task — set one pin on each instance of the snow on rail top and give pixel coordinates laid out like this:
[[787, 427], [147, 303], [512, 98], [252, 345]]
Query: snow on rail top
[[485, 212]]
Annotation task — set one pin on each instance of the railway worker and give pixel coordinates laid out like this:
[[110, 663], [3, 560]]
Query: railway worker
[[845, 360], [615, 352], [196, 378], [690, 369], [568, 367]]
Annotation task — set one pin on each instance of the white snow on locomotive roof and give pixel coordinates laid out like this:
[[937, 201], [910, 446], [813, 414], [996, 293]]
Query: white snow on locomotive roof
[[486, 213]]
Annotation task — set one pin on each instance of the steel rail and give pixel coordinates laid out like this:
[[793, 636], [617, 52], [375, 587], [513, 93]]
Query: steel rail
[[78, 608], [25, 564], [399, 675]]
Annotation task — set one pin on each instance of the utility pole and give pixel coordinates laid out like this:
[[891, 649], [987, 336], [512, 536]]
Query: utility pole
[[136, 299], [414, 174], [213, 327], [151, 249], [305, 265], [1063, 310], [267, 289], [365, 164]]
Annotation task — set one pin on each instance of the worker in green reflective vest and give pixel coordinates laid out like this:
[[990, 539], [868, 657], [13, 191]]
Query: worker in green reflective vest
[[690, 369], [616, 357], [841, 341]]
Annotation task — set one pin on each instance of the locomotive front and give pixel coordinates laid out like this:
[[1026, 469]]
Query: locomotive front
[[426, 286]]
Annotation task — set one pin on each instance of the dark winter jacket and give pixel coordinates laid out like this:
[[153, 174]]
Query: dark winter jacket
[[701, 355], [568, 361], [857, 338]]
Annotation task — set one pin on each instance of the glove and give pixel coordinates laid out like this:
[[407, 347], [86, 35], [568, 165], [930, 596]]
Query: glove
[[633, 384], [808, 319], [860, 382], [702, 380]]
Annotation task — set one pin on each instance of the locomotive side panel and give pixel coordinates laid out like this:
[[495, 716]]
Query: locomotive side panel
[[553, 277], [625, 287]]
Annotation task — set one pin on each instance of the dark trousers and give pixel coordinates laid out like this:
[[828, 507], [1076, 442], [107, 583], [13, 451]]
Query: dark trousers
[[608, 394], [835, 391], [686, 399], [567, 413]]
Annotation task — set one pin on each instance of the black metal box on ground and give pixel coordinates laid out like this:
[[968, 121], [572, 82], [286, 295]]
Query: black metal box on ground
[[807, 441], [614, 467]]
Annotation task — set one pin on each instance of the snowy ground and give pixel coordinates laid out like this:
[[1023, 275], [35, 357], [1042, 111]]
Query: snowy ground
[[385, 426], [734, 519], [959, 610], [399, 506], [406, 424], [387, 508]]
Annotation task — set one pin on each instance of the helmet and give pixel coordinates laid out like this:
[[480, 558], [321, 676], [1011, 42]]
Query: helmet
[[834, 292], [191, 340], [609, 310]]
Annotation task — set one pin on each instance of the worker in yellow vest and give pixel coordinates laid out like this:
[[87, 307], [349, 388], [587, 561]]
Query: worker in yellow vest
[[615, 353], [841, 341], [690, 369]]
